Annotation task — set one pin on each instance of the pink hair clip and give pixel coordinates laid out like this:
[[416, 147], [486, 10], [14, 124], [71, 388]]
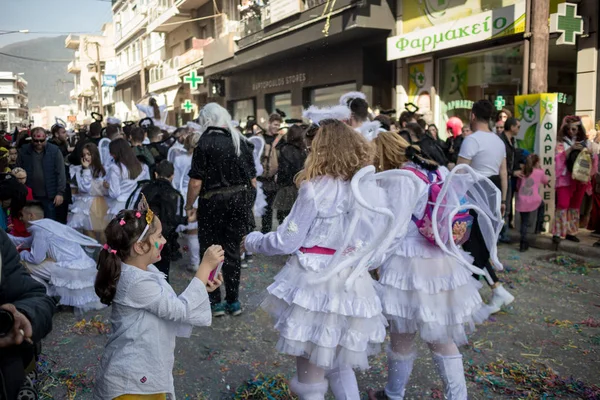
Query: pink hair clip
[[122, 222], [107, 248], [138, 214]]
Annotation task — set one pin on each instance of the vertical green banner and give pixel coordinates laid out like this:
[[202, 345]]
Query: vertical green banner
[[538, 114]]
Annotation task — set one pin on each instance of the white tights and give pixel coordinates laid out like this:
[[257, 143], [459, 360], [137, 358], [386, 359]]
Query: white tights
[[194, 248], [311, 381]]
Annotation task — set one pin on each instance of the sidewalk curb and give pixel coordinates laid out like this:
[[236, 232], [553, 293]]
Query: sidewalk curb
[[544, 242]]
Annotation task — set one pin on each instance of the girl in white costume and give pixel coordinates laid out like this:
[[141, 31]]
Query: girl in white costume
[[154, 111], [122, 176], [423, 288], [89, 208], [330, 325], [181, 180]]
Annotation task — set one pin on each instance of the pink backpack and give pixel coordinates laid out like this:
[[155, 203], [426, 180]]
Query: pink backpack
[[462, 222]]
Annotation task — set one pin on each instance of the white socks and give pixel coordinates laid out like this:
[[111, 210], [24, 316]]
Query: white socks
[[309, 391], [194, 249], [342, 382], [399, 369], [452, 372]]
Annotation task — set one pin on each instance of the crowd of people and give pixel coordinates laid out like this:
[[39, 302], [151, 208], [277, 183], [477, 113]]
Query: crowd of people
[[384, 221]]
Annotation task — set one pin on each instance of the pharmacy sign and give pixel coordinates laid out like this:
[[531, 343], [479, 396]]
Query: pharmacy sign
[[567, 23], [487, 25]]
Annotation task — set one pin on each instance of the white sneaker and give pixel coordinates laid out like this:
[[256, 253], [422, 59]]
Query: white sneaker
[[501, 297]]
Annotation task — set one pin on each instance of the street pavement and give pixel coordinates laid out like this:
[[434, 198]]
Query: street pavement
[[547, 341]]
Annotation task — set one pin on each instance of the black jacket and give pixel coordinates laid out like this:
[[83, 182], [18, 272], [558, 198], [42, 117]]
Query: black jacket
[[54, 168], [291, 161], [18, 288], [512, 160]]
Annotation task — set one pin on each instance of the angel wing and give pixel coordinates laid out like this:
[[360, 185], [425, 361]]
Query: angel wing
[[259, 147], [103, 147], [378, 214], [370, 129], [464, 189], [65, 232], [175, 152]]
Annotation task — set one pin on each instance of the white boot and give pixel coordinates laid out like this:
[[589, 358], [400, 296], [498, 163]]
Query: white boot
[[308, 391], [342, 382], [399, 369], [501, 297], [452, 372]]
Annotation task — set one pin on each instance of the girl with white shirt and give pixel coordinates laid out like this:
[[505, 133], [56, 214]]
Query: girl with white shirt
[[154, 111], [181, 180], [89, 208], [123, 176], [146, 315]]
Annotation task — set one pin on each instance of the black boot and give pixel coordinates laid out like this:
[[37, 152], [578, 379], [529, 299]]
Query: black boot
[[524, 246]]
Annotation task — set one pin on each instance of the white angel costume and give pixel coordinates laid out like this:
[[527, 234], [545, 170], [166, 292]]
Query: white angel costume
[[261, 200], [158, 120], [89, 208], [181, 181], [429, 288], [57, 260], [121, 186], [104, 150]]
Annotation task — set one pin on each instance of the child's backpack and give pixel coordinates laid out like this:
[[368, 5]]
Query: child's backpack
[[582, 167], [462, 222]]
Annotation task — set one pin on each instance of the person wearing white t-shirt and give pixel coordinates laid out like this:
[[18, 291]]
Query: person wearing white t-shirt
[[485, 152]]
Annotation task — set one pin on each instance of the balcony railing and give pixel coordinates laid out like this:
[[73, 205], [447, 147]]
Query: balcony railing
[[131, 27], [74, 67], [165, 70], [72, 42]]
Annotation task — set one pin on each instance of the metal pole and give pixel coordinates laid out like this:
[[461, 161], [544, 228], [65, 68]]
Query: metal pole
[[143, 69], [99, 78], [7, 115]]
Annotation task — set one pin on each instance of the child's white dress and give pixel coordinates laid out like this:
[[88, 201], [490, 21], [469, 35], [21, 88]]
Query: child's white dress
[[322, 322], [89, 203], [423, 289]]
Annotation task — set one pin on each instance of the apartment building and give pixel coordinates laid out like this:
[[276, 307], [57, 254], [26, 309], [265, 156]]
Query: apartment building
[[14, 109], [91, 52]]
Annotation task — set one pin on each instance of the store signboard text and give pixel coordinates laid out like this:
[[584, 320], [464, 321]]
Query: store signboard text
[[283, 81], [487, 25]]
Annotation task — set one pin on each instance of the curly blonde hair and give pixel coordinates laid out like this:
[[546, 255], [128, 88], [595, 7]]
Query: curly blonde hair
[[337, 151]]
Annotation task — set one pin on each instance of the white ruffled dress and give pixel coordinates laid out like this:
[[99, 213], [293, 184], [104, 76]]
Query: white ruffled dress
[[423, 289], [121, 187], [322, 322], [90, 189]]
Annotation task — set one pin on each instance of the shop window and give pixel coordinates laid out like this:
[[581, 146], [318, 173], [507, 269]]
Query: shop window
[[329, 95], [241, 110], [489, 74], [281, 101]]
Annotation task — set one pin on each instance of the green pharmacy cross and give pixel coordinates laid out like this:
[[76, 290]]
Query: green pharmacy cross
[[188, 106], [499, 103], [567, 22], [193, 80]]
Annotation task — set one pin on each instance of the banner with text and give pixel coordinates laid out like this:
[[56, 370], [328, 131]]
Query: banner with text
[[538, 114], [476, 28]]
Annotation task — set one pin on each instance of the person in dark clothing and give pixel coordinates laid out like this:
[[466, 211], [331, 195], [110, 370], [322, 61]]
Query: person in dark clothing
[[156, 147], [142, 153], [32, 310], [93, 136], [429, 146], [222, 172], [272, 136], [167, 203], [513, 169], [46, 175], [291, 157], [60, 139]]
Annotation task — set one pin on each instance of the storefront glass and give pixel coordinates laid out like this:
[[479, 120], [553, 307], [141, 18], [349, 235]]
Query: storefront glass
[[329, 95], [494, 75], [281, 101], [241, 110]]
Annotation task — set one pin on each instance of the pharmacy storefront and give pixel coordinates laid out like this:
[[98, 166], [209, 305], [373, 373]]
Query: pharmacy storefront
[[453, 52]]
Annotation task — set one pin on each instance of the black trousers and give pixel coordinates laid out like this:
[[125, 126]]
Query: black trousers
[[13, 361], [223, 220], [267, 218]]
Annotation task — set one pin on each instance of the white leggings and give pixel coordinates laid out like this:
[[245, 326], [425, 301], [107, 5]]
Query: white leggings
[[404, 344]]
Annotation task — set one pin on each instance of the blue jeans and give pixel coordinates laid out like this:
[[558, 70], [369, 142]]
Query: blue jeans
[[48, 206]]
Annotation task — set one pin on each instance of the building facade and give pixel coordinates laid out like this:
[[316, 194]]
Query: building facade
[[92, 52], [14, 108], [451, 53]]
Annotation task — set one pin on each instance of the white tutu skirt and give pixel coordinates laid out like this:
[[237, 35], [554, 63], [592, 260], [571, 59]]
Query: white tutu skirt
[[435, 296], [261, 200], [88, 213], [322, 322]]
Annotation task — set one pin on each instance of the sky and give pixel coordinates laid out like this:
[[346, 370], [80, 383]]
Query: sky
[[63, 16]]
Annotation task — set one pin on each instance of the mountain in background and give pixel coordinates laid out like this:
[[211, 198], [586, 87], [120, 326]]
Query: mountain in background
[[44, 79]]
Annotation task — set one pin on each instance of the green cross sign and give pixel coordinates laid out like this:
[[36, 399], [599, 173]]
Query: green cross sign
[[188, 106], [499, 103], [421, 78], [567, 22], [530, 113], [193, 80]]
